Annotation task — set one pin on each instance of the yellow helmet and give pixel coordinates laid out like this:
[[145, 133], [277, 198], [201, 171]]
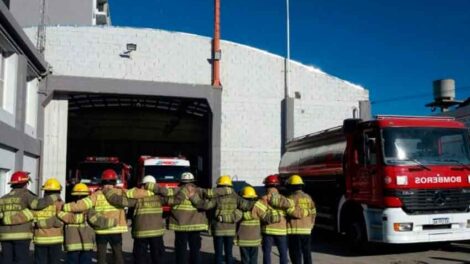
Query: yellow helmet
[[295, 180], [80, 189], [52, 184], [249, 192], [224, 180]]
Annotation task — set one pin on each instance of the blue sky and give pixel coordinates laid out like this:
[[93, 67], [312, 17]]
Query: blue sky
[[394, 48]]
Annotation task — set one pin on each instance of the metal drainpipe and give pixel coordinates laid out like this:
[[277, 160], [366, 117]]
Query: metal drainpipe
[[216, 52]]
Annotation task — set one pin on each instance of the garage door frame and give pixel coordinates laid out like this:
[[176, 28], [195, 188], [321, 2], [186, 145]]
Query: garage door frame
[[60, 84]]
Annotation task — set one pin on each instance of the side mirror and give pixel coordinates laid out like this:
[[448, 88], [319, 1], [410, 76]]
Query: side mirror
[[356, 157], [371, 144], [370, 148]]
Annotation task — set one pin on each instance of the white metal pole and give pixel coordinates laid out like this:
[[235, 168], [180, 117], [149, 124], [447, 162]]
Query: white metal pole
[[288, 49]]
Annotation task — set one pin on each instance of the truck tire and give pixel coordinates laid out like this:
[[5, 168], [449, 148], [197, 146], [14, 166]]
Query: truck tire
[[356, 235]]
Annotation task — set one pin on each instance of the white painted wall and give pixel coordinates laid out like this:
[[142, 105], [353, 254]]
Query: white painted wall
[[252, 79], [7, 167], [54, 157]]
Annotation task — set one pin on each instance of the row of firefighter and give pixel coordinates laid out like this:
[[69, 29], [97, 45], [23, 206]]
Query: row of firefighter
[[99, 219]]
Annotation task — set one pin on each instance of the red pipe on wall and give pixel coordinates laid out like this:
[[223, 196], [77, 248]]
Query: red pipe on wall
[[216, 52]]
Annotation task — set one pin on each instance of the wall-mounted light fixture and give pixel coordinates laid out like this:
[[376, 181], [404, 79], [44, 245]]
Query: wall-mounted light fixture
[[217, 55], [130, 47]]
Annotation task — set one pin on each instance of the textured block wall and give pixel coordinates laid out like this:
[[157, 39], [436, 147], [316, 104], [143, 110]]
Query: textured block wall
[[252, 79]]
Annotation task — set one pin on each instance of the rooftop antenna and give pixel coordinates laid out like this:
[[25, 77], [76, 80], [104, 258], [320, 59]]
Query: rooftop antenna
[[41, 36]]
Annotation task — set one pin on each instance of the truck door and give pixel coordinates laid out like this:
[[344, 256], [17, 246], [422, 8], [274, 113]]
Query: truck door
[[366, 173]]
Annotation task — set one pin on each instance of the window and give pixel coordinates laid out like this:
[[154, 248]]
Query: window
[[31, 107], [4, 178], [165, 173], [426, 145]]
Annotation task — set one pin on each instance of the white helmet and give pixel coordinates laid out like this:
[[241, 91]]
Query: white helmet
[[148, 179], [187, 177]]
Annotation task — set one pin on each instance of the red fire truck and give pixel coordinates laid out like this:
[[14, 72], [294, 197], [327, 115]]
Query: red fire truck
[[166, 170], [394, 179], [89, 171]]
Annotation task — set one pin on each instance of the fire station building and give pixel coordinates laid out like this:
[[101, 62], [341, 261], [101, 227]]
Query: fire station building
[[126, 92]]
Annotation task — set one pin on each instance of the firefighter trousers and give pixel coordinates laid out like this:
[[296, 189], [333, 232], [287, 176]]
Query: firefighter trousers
[[223, 244], [15, 251], [281, 244], [79, 257], [300, 248], [182, 240], [141, 246], [47, 254], [249, 255], [115, 240]]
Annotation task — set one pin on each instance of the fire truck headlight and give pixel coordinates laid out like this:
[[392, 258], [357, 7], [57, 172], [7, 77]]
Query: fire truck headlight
[[402, 227], [468, 178], [402, 180]]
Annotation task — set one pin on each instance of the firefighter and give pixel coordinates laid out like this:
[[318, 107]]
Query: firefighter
[[79, 235], [186, 219], [228, 211], [248, 236], [48, 239], [100, 204], [16, 239], [187, 222], [224, 232], [300, 222], [275, 233], [147, 223]]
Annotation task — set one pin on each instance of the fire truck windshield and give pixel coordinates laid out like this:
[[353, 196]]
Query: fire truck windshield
[[165, 173], [91, 172], [429, 146]]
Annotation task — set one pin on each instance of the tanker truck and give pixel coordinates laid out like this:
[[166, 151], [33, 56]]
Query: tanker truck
[[392, 179]]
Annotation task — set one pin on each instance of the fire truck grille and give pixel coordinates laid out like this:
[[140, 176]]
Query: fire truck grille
[[436, 200]]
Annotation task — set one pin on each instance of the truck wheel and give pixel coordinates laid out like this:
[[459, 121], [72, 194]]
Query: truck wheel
[[356, 235]]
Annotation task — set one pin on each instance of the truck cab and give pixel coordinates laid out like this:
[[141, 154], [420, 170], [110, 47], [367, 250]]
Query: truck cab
[[413, 176], [89, 172]]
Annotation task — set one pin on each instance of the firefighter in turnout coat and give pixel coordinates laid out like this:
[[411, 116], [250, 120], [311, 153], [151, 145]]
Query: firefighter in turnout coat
[[100, 204], [223, 205], [79, 235], [275, 233], [187, 220], [248, 236], [301, 219], [147, 222], [16, 230], [48, 239]]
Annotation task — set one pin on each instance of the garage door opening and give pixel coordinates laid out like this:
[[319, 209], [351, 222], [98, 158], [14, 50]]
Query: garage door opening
[[129, 126]]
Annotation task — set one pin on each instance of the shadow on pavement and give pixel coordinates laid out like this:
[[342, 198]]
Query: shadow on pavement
[[334, 244], [452, 259]]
